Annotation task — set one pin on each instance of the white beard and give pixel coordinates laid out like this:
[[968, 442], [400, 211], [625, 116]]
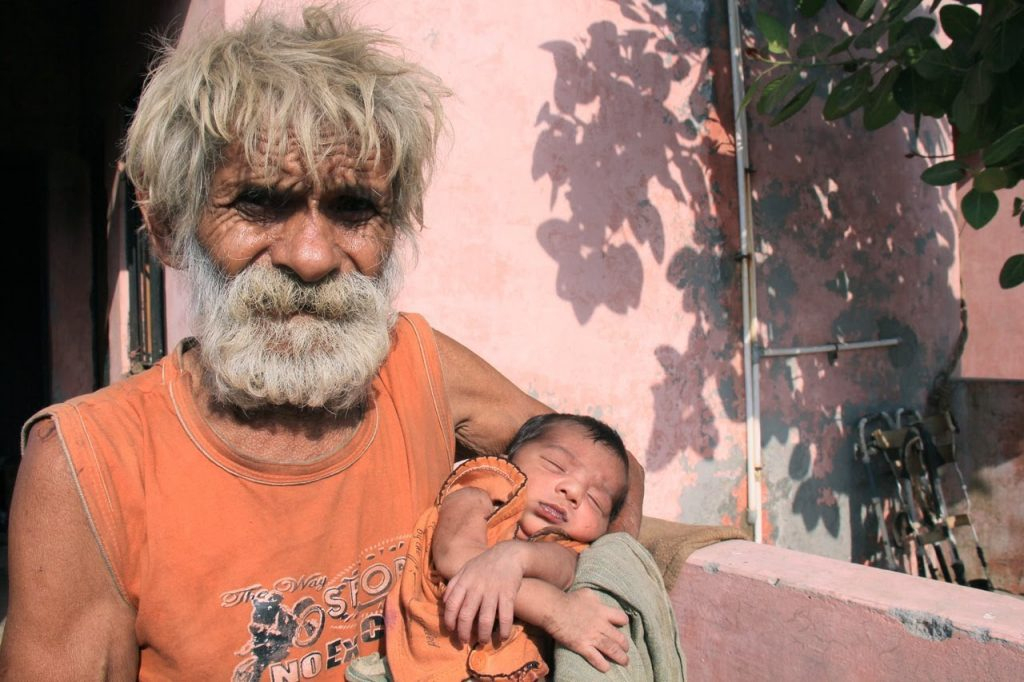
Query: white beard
[[268, 339]]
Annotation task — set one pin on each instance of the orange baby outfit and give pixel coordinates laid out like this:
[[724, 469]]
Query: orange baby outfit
[[419, 647], [241, 570]]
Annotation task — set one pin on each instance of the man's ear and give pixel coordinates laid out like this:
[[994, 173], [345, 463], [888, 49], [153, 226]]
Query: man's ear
[[159, 233]]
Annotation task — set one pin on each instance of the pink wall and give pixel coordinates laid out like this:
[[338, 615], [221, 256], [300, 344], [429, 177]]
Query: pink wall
[[749, 611], [995, 325]]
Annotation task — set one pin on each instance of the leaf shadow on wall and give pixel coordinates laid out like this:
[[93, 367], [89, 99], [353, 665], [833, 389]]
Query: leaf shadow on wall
[[856, 248], [608, 133]]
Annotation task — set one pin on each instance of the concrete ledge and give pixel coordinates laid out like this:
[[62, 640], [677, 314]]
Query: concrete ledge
[[749, 611]]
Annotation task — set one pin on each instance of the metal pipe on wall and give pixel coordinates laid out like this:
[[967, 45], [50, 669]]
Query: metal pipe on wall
[[836, 347], [746, 260]]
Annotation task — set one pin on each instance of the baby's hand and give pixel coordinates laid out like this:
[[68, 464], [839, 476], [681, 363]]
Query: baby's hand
[[590, 628], [483, 591]]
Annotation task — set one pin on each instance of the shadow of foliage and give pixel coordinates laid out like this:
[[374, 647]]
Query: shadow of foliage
[[607, 132], [610, 131]]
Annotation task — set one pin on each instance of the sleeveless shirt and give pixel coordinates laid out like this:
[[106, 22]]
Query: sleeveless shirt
[[243, 570]]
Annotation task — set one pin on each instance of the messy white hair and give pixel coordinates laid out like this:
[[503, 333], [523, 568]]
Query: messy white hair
[[268, 86]]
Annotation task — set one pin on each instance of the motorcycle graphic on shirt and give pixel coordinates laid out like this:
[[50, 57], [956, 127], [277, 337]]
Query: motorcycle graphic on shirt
[[274, 629], [313, 623]]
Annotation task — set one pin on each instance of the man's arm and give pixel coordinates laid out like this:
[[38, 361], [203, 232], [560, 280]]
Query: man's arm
[[488, 409], [66, 619]]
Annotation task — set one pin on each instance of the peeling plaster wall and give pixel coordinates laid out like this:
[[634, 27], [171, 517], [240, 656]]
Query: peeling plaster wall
[[582, 234], [990, 457], [993, 370], [852, 247]]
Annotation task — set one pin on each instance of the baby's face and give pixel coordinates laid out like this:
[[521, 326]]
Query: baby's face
[[571, 483]]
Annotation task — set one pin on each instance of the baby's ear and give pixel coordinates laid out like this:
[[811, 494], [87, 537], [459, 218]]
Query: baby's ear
[[159, 232]]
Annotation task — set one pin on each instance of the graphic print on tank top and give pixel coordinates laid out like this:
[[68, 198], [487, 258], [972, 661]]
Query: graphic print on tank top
[[300, 627]]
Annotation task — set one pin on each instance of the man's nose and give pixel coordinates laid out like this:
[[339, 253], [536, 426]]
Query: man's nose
[[307, 245]]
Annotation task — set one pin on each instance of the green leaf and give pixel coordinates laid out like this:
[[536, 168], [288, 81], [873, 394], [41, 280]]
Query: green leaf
[[944, 173], [1012, 272], [752, 90], [934, 64], [869, 37], [809, 8], [1005, 47], [918, 27], [991, 179], [848, 94], [979, 83], [968, 142], [1014, 174], [842, 46], [1018, 205], [979, 208], [881, 107], [918, 96], [775, 91], [861, 9], [794, 105], [816, 44], [964, 113], [958, 22], [1011, 95], [774, 32], [1003, 149]]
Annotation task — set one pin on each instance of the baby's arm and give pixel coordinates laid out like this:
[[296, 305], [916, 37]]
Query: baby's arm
[[483, 582], [577, 620], [461, 536], [461, 532]]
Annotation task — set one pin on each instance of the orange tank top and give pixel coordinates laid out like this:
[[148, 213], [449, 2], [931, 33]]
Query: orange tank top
[[242, 571]]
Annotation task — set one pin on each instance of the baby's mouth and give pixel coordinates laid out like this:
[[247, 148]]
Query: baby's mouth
[[551, 513]]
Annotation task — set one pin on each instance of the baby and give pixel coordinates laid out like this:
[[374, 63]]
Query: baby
[[489, 564]]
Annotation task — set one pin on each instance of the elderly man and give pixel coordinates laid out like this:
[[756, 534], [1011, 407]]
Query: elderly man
[[241, 510]]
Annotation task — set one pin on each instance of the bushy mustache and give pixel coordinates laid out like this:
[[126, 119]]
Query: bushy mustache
[[266, 337], [270, 292]]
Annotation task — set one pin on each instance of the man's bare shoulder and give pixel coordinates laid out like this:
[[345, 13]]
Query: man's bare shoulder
[[66, 618], [487, 408]]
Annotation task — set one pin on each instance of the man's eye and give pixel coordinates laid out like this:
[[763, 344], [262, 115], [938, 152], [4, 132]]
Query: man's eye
[[260, 205], [350, 210]]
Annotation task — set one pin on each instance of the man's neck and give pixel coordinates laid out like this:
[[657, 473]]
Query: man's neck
[[276, 434]]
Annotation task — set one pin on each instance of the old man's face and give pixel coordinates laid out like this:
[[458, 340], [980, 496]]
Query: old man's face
[[292, 279]]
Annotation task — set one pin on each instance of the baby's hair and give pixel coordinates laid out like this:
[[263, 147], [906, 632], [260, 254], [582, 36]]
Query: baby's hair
[[537, 427]]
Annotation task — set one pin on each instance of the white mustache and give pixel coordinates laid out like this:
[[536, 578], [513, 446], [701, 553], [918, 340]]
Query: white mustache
[[269, 292], [257, 353]]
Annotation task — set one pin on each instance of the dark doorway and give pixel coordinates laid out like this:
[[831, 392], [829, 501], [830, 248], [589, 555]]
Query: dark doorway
[[69, 73]]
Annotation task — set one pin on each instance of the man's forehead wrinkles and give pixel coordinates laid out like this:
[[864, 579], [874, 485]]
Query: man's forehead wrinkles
[[331, 149], [338, 170]]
